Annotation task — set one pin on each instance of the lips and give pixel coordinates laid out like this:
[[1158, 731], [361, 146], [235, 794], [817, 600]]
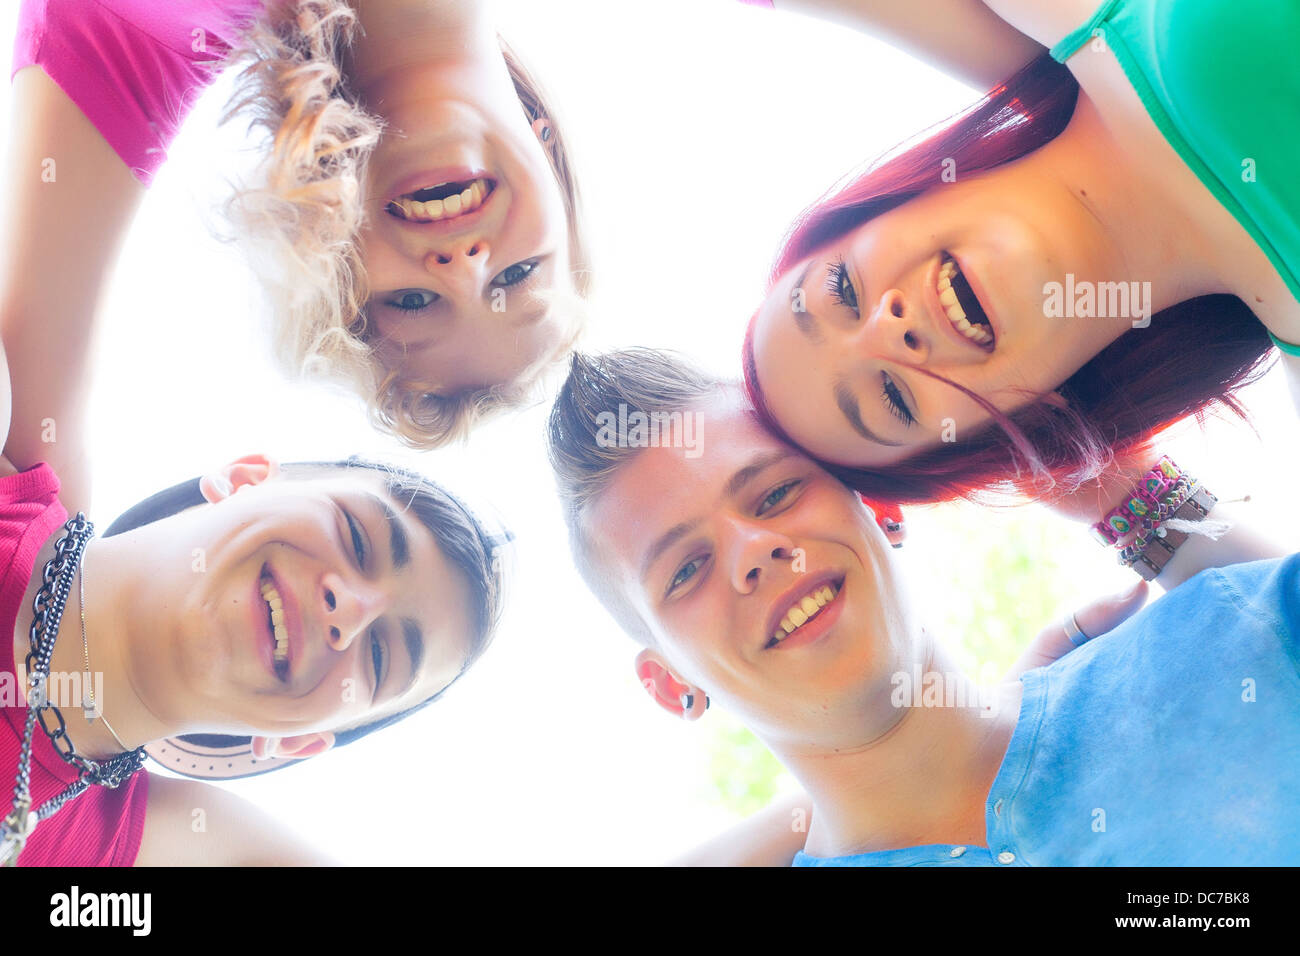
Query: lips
[[802, 607], [450, 201], [280, 622], [956, 307]]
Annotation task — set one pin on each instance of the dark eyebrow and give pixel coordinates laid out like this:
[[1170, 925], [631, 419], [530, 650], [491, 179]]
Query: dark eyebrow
[[735, 484], [414, 640], [848, 404], [399, 545], [805, 321]]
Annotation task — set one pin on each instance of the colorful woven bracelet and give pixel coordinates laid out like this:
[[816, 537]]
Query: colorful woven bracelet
[[1183, 489], [1161, 543], [1129, 515]]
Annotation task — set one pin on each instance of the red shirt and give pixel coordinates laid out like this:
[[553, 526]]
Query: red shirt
[[134, 67], [102, 827]]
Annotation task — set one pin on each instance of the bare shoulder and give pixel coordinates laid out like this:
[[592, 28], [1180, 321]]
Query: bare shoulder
[[1047, 21], [189, 823]]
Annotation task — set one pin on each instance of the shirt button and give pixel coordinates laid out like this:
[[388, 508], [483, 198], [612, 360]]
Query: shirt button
[[957, 851], [1006, 857]]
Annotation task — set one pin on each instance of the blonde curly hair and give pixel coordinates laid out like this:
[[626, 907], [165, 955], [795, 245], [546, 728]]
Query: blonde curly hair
[[302, 219]]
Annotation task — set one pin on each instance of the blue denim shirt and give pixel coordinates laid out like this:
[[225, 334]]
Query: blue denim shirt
[[1172, 740]]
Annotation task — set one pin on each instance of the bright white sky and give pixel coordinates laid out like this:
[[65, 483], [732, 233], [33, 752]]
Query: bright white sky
[[702, 127]]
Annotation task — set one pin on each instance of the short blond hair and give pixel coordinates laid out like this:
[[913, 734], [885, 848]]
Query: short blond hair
[[303, 217]]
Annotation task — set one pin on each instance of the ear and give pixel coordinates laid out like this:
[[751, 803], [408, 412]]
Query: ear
[[544, 131], [890, 520], [249, 470], [665, 689], [292, 748]]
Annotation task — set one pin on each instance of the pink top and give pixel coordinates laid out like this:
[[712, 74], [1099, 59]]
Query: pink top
[[101, 827], [133, 67]]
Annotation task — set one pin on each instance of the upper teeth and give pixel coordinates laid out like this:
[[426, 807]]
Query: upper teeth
[[272, 598], [956, 314], [804, 609], [468, 200]]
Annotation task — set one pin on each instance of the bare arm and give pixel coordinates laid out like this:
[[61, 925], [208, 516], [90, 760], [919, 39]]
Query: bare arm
[[964, 38], [1247, 540], [770, 837], [189, 823], [70, 200]]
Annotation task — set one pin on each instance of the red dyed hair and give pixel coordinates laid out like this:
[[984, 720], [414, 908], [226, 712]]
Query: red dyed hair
[[1132, 389]]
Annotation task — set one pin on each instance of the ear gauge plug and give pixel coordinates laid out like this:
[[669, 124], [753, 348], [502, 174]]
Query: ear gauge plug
[[688, 701]]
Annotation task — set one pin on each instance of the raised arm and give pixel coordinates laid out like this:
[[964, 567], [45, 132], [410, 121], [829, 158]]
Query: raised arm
[[964, 38], [70, 200], [1247, 539], [189, 823]]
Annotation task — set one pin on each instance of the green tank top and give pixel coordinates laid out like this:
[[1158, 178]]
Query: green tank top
[[1221, 80]]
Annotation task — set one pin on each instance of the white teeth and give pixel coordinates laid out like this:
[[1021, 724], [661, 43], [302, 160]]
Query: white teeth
[[799, 614], [273, 601], [468, 200], [977, 333]]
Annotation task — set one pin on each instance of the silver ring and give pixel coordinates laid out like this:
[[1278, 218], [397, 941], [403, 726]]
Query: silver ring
[[1074, 632]]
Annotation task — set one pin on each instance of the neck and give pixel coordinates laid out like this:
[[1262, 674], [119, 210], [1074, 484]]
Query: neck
[[922, 780], [398, 36], [1153, 237], [108, 618]]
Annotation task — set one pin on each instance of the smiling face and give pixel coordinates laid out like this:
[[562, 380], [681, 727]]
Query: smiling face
[[952, 282], [762, 580], [319, 604], [466, 226]]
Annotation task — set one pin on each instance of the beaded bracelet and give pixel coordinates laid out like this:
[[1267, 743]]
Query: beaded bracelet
[[1158, 545], [1135, 509], [1150, 526]]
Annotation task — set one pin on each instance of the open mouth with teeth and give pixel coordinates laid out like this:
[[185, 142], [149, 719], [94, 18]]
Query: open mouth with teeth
[[442, 202], [803, 611], [962, 306], [279, 632]]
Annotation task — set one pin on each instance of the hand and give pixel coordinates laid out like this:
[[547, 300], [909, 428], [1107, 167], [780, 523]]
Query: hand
[[1094, 620]]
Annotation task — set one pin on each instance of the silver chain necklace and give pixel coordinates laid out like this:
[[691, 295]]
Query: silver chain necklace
[[47, 613]]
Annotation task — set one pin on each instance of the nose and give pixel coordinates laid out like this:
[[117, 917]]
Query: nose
[[460, 261], [751, 551], [893, 330], [347, 608]]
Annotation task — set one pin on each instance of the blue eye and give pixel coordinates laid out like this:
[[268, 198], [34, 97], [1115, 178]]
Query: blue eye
[[684, 574], [413, 300], [515, 274], [776, 496]]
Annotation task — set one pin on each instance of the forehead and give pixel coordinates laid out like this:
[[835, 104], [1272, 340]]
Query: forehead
[[657, 488]]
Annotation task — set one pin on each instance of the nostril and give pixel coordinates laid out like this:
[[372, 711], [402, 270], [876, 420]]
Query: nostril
[[334, 634], [329, 599], [909, 340], [896, 307], [473, 250], [444, 259]]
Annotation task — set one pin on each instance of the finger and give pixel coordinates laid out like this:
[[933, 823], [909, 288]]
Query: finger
[[1110, 612]]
